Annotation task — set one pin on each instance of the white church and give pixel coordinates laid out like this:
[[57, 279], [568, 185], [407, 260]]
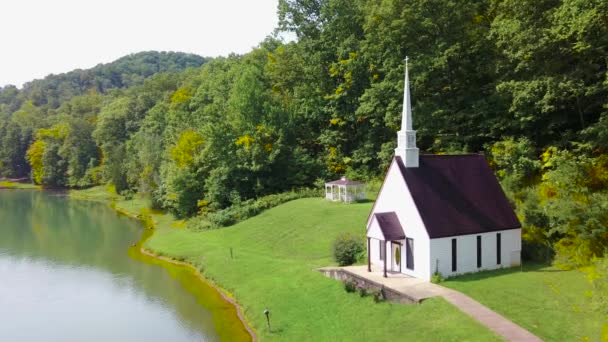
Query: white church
[[439, 213]]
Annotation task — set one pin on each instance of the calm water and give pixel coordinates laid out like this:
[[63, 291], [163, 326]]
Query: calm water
[[65, 276]]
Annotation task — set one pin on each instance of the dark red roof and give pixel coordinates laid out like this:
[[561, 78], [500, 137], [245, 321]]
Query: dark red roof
[[458, 195], [390, 226]]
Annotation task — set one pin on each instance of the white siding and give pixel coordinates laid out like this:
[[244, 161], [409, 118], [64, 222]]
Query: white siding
[[441, 252], [373, 230], [395, 196]]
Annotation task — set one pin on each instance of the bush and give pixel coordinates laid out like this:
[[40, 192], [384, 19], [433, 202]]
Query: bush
[[536, 251], [199, 223], [350, 285], [128, 194], [436, 278], [347, 248], [246, 209], [378, 296]]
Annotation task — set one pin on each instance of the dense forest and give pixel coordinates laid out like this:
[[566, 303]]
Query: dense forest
[[525, 82]]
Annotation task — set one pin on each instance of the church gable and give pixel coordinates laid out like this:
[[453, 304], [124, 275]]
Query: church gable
[[394, 196]]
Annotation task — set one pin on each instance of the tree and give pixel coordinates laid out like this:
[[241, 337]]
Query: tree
[[552, 62], [44, 155]]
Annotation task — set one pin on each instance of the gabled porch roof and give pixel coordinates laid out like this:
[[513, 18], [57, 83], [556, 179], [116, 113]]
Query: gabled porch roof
[[389, 225]]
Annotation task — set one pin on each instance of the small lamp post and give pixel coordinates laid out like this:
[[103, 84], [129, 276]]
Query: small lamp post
[[267, 313]]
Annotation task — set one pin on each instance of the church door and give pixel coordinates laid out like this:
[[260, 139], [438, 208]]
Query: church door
[[396, 257]]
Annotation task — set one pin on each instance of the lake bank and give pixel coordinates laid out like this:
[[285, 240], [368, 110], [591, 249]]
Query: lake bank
[[6, 184], [230, 322], [205, 283]]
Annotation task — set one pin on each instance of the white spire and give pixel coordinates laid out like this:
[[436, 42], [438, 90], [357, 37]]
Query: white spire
[[406, 120], [406, 137]]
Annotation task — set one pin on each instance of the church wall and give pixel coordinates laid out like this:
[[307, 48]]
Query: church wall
[[466, 247], [395, 196]]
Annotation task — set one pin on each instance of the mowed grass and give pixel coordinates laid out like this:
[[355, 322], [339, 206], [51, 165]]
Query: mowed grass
[[137, 206], [547, 301], [17, 185], [97, 193], [275, 256]]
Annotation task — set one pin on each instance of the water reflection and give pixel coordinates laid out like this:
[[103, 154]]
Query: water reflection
[[57, 254]]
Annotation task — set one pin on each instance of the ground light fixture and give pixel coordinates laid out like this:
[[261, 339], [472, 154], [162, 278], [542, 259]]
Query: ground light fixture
[[267, 313]]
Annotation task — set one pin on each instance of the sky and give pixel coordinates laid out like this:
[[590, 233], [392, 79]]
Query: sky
[[40, 37]]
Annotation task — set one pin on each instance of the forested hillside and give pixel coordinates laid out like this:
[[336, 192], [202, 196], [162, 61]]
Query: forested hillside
[[125, 72], [524, 81], [69, 98]]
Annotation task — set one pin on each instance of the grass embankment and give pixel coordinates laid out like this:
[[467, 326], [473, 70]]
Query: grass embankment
[[273, 266], [137, 207], [227, 320], [547, 301], [17, 185]]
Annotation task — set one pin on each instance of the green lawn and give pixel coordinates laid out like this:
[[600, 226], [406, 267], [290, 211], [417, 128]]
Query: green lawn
[[549, 302], [275, 257], [137, 206], [17, 185]]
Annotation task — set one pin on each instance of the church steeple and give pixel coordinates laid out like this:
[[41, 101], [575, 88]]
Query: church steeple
[[406, 117], [406, 137]]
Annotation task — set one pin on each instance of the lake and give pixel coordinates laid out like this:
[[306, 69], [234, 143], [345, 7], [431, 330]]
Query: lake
[[66, 275]]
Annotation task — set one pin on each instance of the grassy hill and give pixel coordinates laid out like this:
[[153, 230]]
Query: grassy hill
[[275, 257]]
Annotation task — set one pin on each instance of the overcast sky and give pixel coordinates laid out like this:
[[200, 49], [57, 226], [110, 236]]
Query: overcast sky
[[39, 37]]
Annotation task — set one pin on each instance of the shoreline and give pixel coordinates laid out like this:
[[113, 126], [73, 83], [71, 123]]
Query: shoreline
[[222, 292], [17, 184], [148, 229]]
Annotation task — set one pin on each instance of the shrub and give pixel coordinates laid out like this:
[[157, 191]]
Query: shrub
[[146, 220], [199, 223], [536, 251], [347, 248], [378, 296], [156, 199], [128, 194], [246, 209], [363, 291], [350, 285], [436, 278]]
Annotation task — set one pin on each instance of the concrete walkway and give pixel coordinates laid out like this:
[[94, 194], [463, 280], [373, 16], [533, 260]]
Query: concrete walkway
[[415, 288], [420, 289]]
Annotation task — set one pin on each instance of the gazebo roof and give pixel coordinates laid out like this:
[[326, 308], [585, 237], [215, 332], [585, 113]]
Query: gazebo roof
[[344, 181]]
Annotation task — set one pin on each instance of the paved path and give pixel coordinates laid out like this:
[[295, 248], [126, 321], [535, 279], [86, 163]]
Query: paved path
[[494, 321], [420, 290]]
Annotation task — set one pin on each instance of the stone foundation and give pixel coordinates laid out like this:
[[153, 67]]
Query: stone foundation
[[370, 285]]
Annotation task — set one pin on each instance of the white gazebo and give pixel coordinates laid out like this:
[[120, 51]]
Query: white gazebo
[[345, 190]]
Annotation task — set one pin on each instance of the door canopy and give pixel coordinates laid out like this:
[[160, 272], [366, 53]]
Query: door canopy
[[386, 226]]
